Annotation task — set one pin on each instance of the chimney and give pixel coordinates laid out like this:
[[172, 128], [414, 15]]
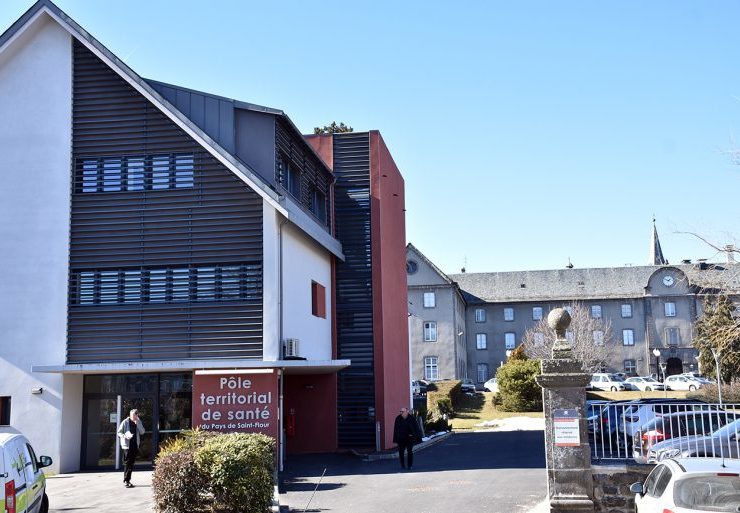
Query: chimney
[[730, 250]]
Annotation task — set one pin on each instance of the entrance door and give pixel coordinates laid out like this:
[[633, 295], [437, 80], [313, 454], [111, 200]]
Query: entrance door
[[673, 366], [101, 416], [145, 405]]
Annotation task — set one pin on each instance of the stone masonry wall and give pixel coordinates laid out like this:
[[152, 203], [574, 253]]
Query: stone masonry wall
[[612, 486]]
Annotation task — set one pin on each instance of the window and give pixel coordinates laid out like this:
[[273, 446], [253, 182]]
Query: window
[[318, 205], [630, 367], [318, 300], [481, 341], [628, 337], [539, 338], [596, 311], [480, 315], [598, 338], [482, 372], [670, 309], [5, 411], [536, 313], [508, 314], [136, 173], [293, 179], [662, 483], [626, 310], [431, 369], [672, 336], [429, 300], [169, 285], [510, 340], [430, 331]]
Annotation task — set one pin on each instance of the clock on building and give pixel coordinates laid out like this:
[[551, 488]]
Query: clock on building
[[668, 280]]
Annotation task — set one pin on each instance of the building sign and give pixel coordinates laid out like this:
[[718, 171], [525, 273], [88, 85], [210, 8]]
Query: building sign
[[237, 401], [565, 428]]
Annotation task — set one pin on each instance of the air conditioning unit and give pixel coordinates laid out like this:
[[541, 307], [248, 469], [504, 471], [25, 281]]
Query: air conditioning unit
[[291, 347]]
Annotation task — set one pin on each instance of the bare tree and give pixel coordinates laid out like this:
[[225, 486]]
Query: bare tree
[[589, 335]]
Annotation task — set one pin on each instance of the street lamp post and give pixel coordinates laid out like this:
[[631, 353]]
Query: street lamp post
[[716, 355], [665, 388], [656, 352]]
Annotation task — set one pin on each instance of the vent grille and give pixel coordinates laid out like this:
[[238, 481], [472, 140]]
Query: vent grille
[[354, 303], [141, 216]]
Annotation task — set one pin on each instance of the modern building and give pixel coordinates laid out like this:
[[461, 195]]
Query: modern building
[[183, 253], [648, 307], [436, 320]]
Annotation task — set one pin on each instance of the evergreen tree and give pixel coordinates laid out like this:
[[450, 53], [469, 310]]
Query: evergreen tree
[[718, 328], [333, 129]]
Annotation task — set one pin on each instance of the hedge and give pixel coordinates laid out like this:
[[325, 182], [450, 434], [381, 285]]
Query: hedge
[[208, 472]]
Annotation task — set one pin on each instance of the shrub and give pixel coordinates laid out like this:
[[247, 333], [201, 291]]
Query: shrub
[[177, 483], [446, 396], [239, 468], [437, 424], [444, 406], [708, 393], [518, 390]]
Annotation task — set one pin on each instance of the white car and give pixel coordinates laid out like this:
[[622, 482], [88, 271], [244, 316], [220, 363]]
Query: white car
[[491, 385], [681, 382], [690, 485], [603, 381], [21, 479], [645, 384]]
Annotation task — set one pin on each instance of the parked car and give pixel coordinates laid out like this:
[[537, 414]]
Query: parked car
[[724, 442], [681, 382], [674, 425], [690, 485], [603, 381], [593, 416], [21, 478], [697, 376], [645, 384], [642, 411], [468, 386], [491, 385]]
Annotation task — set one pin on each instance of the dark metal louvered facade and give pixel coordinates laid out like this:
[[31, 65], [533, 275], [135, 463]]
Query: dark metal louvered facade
[[165, 243], [354, 291]]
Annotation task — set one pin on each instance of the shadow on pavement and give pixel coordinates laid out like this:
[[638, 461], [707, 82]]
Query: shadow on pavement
[[462, 451]]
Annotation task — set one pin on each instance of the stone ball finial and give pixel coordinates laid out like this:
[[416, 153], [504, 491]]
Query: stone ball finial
[[559, 320]]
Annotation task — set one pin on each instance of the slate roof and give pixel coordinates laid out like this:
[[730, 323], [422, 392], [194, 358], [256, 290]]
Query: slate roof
[[582, 284]]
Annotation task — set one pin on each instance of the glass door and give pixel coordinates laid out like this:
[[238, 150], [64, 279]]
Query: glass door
[[145, 405], [101, 422]]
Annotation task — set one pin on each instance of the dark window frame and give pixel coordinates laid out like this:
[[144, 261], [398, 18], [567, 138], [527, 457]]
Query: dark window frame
[[136, 173]]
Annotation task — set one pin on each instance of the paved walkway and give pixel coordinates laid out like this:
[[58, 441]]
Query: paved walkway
[[477, 472], [103, 492]]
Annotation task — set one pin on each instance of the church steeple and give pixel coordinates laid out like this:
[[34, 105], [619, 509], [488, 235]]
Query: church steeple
[[656, 253]]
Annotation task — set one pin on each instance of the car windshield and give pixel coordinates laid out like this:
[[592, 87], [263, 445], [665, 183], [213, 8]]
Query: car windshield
[[614, 377], [708, 493], [650, 380]]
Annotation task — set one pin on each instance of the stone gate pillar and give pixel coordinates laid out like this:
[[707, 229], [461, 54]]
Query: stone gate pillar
[[563, 381]]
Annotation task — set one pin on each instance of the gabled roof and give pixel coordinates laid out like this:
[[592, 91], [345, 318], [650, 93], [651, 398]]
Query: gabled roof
[[423, 257], [233, 164]]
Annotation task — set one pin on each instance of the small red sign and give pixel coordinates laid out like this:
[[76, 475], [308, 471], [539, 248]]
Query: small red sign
[[236, 402]]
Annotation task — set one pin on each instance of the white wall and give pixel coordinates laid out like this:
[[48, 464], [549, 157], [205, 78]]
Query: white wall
[[305, 261], [35, 147], [270, 283]]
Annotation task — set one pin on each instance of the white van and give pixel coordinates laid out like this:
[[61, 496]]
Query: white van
[[21, 480]]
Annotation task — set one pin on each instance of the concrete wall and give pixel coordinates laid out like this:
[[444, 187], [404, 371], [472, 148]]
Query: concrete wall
[[271, 343], [444, 314], [390, 323], [305, 261], [35, 153]]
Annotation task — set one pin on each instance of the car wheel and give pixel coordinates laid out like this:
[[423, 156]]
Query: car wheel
[[614, 389], [648, 389], [692, 388], [44, 505]]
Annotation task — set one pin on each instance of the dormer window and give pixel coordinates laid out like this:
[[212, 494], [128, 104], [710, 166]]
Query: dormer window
[[293, 179]]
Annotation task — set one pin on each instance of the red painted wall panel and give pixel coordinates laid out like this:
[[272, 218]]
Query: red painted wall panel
[[312, 399], [390, 299]]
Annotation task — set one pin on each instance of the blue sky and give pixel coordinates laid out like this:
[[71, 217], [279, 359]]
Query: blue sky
[[527, 132]]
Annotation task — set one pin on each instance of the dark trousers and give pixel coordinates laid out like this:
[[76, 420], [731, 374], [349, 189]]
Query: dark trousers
[[408, 447], [129, 458]]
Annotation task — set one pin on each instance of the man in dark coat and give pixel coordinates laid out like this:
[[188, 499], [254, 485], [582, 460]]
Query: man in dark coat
[[406, 433]]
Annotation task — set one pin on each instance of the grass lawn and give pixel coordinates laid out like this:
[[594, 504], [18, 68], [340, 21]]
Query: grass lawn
[[629, 395], [479, 408]]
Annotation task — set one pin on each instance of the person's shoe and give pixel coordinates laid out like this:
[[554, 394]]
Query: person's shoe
[[129, 485]]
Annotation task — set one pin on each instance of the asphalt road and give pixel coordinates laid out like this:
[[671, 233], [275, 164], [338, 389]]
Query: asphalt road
[[469, 472]]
